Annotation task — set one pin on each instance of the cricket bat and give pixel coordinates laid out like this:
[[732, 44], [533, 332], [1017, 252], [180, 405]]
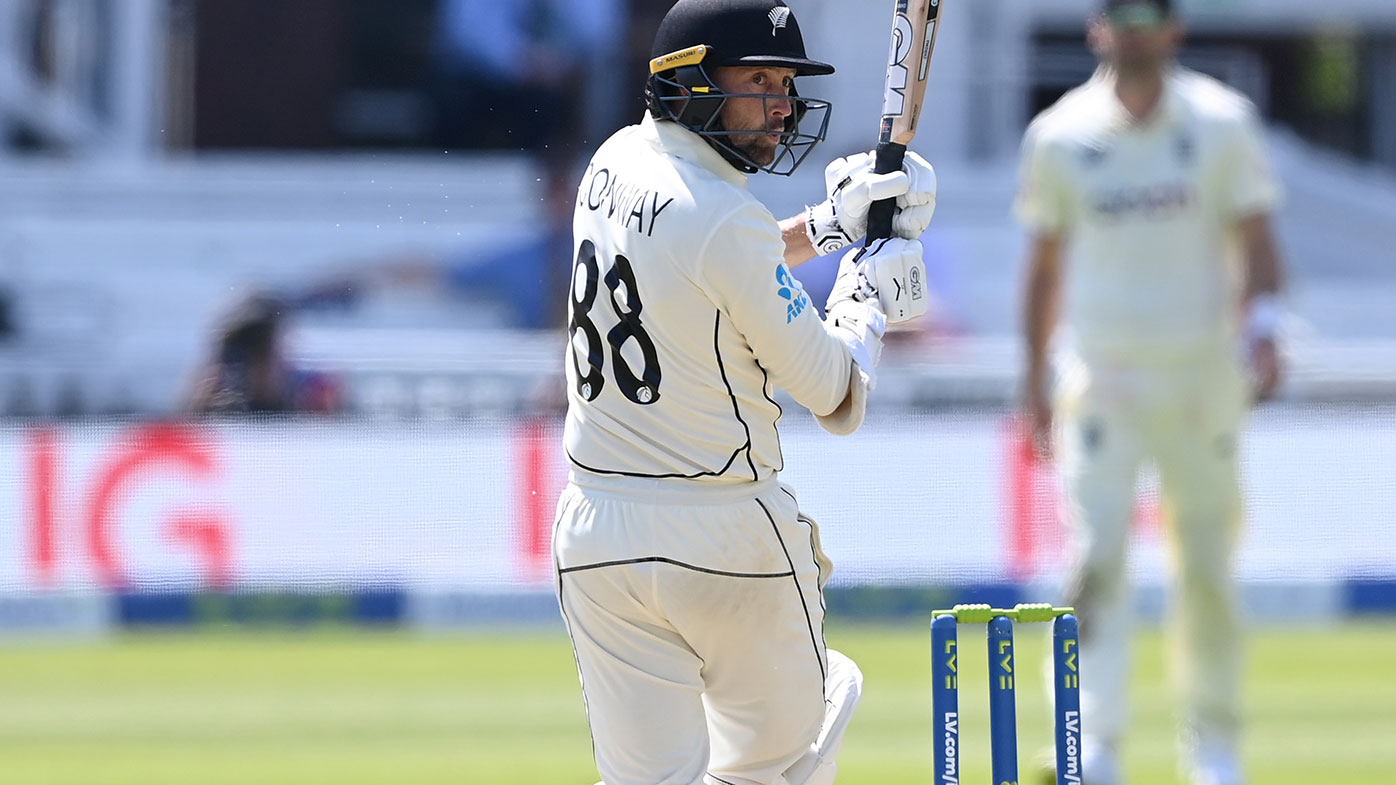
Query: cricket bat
[[914, 30]]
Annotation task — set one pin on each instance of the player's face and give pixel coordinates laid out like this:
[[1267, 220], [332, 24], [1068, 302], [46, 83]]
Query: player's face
[[1138, 38], [764, 110]]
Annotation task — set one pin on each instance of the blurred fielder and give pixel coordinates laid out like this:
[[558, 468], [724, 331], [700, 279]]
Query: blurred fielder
[[1155, 179], [690, 582]]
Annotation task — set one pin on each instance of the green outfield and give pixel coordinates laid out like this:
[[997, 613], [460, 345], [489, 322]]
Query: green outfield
[[347, 708]]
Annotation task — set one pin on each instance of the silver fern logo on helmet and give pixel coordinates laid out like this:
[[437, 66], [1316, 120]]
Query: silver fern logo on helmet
[[780, 17]]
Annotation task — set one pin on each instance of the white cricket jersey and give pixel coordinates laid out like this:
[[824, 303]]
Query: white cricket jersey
[[1150, 211], [683, 317]]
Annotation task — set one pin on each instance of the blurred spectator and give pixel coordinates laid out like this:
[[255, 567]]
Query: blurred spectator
[[527, 76], [644, 17], [512, 76], [503, 279], [7, 320], [248, 373]]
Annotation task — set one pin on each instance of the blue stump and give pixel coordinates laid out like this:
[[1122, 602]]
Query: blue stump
[[1003, 719], [945, 699], [1066, 678]]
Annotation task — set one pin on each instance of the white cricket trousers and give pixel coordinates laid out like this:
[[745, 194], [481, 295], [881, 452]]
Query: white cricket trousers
[[697, 620], [1183, 412]]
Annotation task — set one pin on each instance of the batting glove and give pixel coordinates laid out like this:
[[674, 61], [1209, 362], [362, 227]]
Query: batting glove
[[896, 270], [842, 219], [854, 315]]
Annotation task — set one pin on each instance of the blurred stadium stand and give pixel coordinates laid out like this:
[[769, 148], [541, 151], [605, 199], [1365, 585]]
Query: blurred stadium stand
[[126, 223], [160, 159], [117, 274]]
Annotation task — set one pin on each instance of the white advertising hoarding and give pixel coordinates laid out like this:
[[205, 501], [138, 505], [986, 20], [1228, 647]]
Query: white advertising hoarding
[[467, 505]]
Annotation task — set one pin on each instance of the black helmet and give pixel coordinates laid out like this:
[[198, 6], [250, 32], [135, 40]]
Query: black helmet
[[697, 35], [737, 32]]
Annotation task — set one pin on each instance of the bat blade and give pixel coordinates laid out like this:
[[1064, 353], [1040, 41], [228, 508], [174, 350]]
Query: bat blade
[[908, 65], [915, 24]]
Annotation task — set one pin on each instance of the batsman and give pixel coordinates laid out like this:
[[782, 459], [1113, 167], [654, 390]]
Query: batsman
[[690, 581]]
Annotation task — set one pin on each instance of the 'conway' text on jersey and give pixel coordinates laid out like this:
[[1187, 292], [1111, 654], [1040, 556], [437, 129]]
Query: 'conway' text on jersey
[[622, 202]]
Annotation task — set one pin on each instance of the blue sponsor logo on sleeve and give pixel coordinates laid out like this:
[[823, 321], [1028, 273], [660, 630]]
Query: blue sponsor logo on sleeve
[[792, 291]]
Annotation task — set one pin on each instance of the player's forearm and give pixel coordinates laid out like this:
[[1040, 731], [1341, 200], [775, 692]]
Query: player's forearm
[[798, 248], [1264, 277], [1040, 309], [1264, 272], [1038, 320]]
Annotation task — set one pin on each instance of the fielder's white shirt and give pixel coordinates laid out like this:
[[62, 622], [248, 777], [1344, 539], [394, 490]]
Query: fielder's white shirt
[[684, 317], [1150, 211]]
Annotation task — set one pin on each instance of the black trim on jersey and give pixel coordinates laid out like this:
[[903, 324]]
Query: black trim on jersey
[[719, 779], [736, 410], [669, 476], [801, 517], [809, 623], [746, 429], [665, 560], [780, 412], [822, 606]]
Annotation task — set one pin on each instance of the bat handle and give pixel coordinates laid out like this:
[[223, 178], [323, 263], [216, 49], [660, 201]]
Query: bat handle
[[889, 159]]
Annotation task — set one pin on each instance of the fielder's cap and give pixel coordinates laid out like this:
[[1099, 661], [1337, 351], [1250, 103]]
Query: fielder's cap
[[1137, 12], [736, 33]]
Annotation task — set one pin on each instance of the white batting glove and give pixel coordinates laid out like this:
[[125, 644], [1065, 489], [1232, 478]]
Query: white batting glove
[[842, 219], [918, 204], [896, 270], [854, 315]]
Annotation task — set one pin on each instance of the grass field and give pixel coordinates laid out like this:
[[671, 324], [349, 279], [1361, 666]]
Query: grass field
[[351, 708]]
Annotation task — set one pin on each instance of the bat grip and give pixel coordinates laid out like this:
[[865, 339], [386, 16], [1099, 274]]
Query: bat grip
[[888, 160]]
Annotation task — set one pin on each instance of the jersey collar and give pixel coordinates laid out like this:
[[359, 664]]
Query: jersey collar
[[1164, 114], [680, 142]]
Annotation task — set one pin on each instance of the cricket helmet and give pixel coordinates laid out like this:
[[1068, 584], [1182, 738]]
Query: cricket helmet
[[698, 36]]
